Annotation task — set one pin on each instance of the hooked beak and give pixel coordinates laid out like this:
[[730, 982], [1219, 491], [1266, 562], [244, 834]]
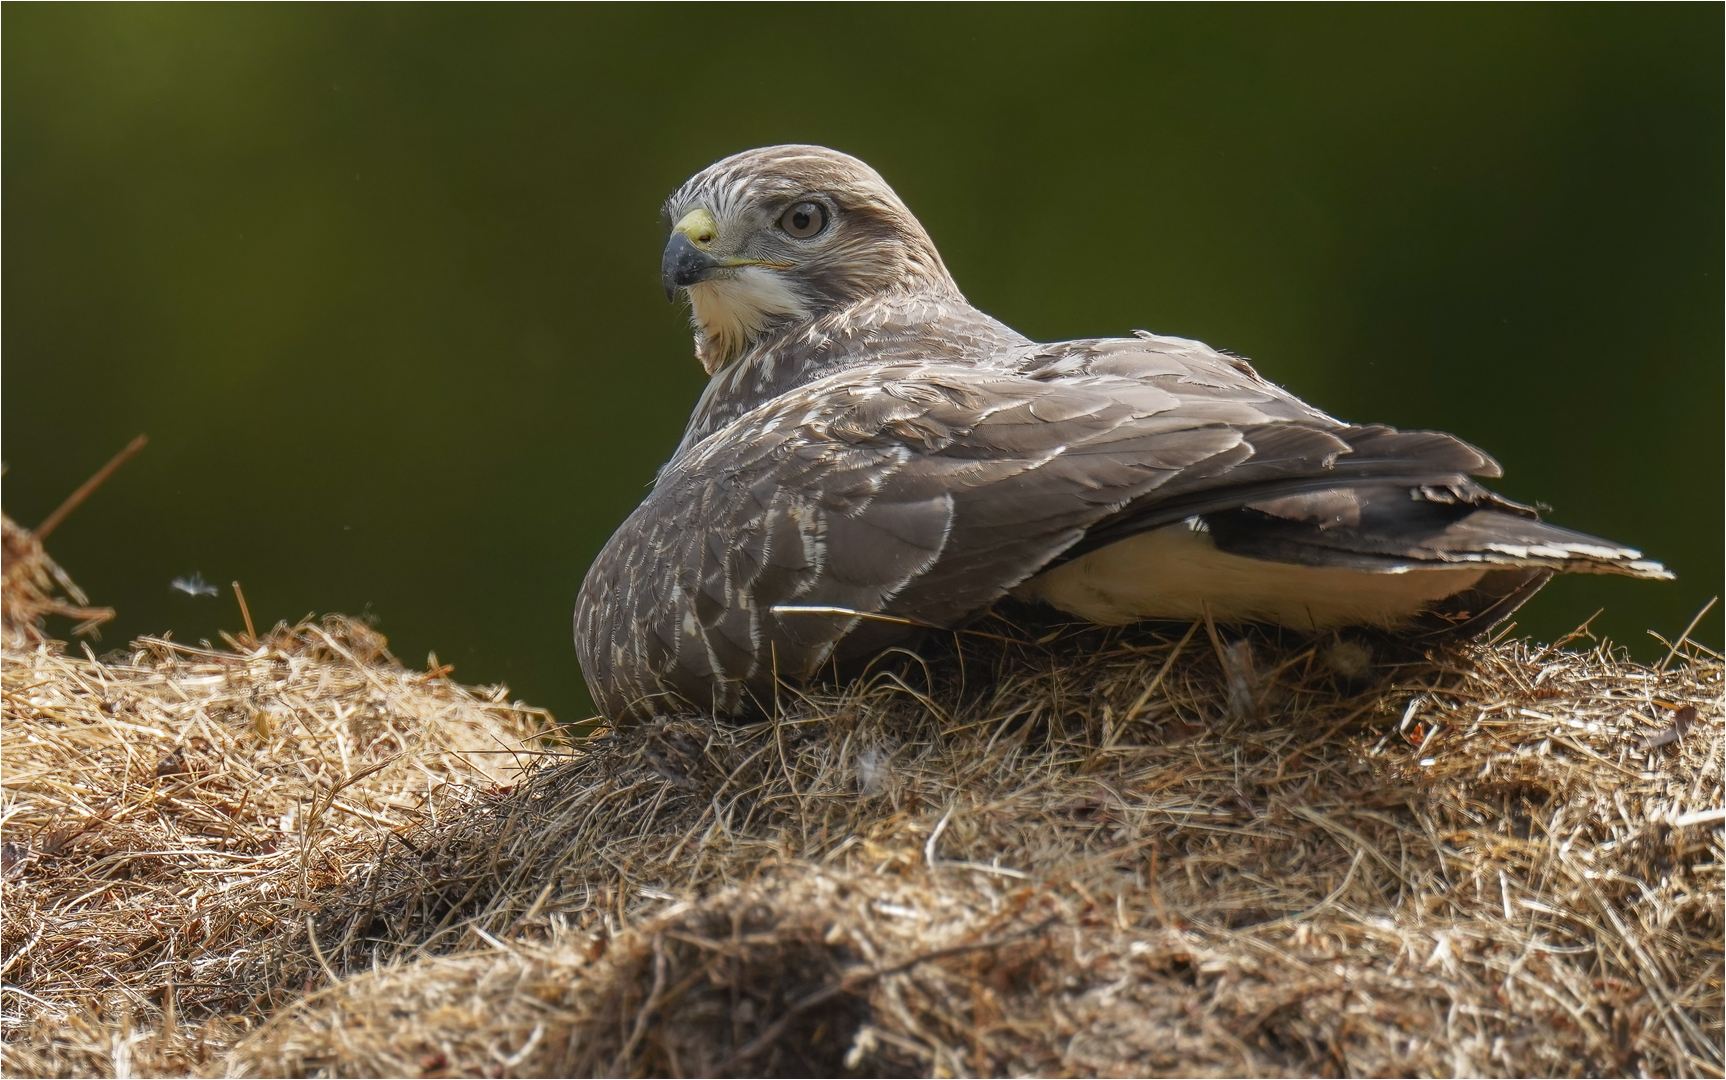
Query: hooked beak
[[684, 264], [687, 260]]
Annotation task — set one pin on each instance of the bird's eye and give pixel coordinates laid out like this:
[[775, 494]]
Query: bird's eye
[[804, 220]]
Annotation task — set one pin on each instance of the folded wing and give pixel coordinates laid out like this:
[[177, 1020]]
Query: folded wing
[[846, 513]]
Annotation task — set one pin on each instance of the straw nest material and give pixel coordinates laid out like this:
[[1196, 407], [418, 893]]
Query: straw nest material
[[173, 815], [1033, 850], [35, 588]]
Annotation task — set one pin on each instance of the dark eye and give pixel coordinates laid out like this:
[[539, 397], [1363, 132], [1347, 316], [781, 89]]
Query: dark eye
[[804, 220]]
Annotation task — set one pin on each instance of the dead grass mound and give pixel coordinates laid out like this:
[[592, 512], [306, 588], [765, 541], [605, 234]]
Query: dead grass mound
[[1030, 851], [173, 816], [1074, 855]]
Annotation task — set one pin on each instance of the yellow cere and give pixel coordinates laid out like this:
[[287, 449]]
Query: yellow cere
[[699, 226]]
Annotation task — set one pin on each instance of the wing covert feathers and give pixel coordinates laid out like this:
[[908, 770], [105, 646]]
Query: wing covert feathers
[[921, 493]]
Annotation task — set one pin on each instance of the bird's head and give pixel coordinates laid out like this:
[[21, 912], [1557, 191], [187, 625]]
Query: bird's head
[[786, 234]]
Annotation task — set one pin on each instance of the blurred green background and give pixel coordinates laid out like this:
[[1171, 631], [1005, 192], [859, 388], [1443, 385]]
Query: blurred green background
[[381, 282]]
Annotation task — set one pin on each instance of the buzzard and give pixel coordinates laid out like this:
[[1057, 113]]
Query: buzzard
[[873, 456]]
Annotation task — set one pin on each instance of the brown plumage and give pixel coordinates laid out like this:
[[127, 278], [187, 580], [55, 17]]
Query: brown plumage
[[870, 444]]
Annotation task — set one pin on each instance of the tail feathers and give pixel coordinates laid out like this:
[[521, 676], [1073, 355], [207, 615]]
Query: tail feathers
[[1433, 560], [1387, 529], [1489, 536]]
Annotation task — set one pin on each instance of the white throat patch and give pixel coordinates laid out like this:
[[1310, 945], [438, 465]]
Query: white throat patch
[[732, 311]]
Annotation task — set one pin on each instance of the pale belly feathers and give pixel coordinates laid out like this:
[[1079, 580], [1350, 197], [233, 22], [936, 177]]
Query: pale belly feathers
[[1177, 572]]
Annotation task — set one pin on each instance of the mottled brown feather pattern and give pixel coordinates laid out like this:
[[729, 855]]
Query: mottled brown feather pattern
[[900, 453]]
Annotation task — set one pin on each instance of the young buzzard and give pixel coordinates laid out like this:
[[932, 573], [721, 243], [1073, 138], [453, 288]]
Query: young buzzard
[[874, 456]]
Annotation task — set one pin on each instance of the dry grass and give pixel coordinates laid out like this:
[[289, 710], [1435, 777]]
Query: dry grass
[[1081, 851], [34, 588], [173, 816]]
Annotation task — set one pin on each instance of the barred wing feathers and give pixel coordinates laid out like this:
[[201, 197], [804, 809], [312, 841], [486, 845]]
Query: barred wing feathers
[[925, 493]]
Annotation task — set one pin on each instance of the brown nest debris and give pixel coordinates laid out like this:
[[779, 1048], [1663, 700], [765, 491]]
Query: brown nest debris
[[34, 588], [1083, 856], [1049, 851], [174, 815]]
